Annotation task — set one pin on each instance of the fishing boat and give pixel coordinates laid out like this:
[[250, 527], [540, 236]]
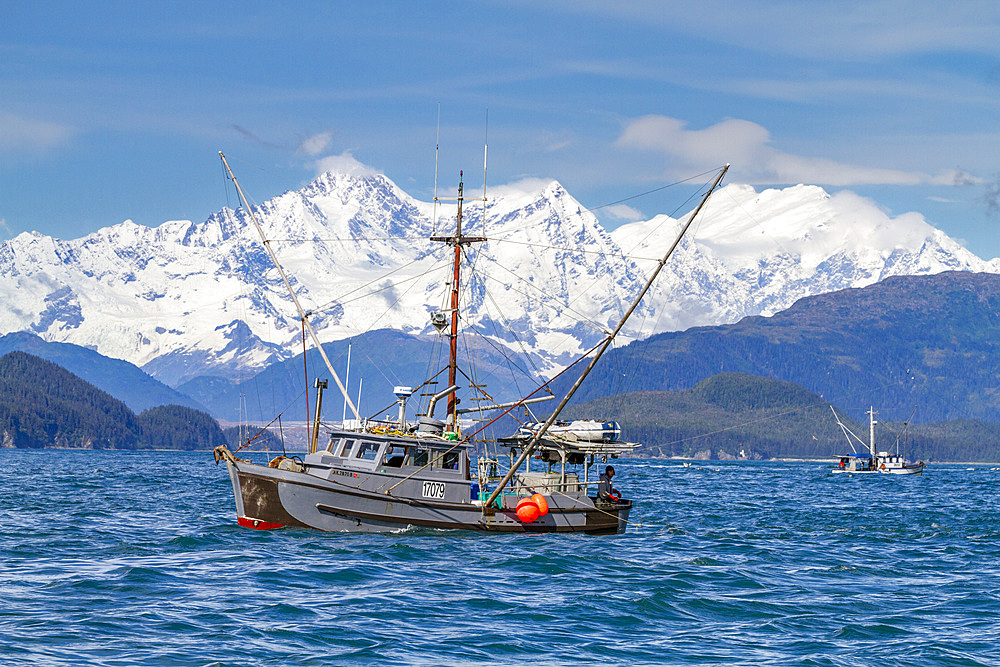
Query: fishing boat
[[377, 475], [872, 461]]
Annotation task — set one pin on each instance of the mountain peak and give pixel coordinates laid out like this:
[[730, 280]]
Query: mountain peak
[[156, 296]]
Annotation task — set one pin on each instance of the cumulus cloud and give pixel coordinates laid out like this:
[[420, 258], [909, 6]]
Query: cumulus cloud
[[18, 133], [345, 163], [4, 227], [747, 146], [315, 144]]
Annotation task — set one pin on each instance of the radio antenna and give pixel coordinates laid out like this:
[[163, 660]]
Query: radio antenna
[[486, 132], [437, 144]]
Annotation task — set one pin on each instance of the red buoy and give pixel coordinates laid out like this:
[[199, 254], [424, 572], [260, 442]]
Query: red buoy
[[527, 510], [543, 505]]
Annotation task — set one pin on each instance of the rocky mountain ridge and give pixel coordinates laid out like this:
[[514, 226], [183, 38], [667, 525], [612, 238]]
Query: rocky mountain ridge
[[186, 299]]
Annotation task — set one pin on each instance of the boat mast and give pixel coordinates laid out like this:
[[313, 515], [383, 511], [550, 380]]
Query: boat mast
[[530, 447], [871, 430], [453, 338], [458, 240], [303, 315]]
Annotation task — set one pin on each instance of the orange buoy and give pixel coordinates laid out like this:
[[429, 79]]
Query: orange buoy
[[543, 505], [527, 510]]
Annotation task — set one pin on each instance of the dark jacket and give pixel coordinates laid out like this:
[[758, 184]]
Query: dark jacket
[[604, 487]]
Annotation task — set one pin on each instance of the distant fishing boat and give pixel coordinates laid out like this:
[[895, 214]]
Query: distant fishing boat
[[873, 462], [389, 474]]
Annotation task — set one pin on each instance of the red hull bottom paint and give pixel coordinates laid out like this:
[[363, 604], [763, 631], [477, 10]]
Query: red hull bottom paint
[[257, 523]]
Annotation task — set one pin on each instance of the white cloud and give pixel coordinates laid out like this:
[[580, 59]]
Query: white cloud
[[345, 163], [4, 227], [526, 187], [747, 146], [623, 212], [29, 134], [316, 144]]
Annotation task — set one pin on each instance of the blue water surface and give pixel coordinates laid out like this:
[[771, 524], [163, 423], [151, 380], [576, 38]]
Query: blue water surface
[[112, 558]]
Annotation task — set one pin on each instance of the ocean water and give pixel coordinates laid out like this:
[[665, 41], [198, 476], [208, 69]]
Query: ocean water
[[135, 558]]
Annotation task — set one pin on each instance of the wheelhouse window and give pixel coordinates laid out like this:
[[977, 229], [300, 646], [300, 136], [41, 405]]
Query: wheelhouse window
[[344, 447], [395, 456], [420, 457], [442, 458], [367, 451]]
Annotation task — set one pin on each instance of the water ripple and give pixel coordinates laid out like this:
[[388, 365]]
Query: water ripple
[[126, 558]]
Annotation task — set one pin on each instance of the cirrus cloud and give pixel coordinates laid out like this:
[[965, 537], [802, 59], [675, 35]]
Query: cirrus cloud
[[18, 133], [747, 146]]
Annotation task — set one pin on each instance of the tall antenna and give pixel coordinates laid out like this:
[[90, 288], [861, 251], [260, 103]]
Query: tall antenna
[[437, 144], [486, 132]]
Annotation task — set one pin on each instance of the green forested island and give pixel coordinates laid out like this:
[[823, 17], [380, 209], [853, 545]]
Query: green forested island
[[43, 405]]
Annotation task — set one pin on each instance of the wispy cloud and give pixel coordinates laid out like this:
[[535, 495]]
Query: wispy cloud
[[991, 197], [254, 138], [747, 146], [345, 163], [524, 187], [623, 212], [818, 29], [32, 135], [315, 144]]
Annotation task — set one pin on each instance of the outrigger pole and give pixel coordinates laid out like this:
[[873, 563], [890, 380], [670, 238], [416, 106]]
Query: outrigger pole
[[530, 447], [303, 315]]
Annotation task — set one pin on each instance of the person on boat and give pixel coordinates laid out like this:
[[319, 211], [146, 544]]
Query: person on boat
[[605, 491]]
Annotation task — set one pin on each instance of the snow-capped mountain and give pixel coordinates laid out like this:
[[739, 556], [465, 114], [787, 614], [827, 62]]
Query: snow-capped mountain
[[185, 299]]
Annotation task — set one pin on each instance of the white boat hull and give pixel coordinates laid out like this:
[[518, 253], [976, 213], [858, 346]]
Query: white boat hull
[[912, 469]]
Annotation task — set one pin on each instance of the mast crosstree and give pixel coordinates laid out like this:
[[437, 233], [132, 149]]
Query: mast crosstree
[[457, 240]]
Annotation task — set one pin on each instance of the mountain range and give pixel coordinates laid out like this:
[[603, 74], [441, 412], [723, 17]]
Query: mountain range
[[190, 301], [927, 341]]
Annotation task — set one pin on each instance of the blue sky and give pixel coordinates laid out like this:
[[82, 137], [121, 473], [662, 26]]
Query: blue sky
[[114, 111]]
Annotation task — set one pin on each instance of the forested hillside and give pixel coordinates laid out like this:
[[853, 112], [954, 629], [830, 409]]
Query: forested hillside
[[43, 405], [733, 412]]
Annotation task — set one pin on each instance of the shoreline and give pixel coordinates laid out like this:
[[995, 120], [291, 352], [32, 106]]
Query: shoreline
[[639, 458]]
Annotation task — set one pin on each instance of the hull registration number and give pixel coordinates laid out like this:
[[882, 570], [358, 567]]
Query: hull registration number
[[434, 490]]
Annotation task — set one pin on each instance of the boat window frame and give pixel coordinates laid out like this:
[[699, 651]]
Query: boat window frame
[[404, 458], [437, 456], [360, 451], [345, 446]]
